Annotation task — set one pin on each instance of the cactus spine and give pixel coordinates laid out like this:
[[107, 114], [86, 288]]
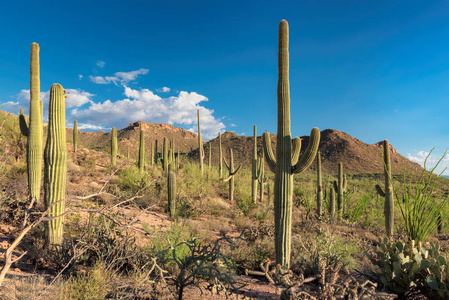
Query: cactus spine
[[340, 189], [113, 147], [232, 173], [388, 194], [254, 170], [200, 145], [285, 163], [55, 168], [75, 136], [142, 150], [171, 187], [35, 128], [220, 157], [319, 186]]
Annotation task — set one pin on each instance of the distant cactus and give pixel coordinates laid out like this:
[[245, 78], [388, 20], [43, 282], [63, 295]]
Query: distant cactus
[[388, 194], [285, 163], [171, 188], [35, 128], [156, 153], [332, 202], [142, 151], [75, 136], [340, 188], [113, 147], [319, 186], [254, 167], [209, 165], [261, 176], [220, 157], [200, 145], [232, 173], [55, 165], [165, 155]]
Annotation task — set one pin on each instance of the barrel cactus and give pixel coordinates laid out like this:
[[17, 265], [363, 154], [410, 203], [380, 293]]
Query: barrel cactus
[[287, 162], [55, 165]]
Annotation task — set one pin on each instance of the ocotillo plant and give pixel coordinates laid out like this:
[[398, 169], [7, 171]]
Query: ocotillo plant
[[35, 128], [283, 165], [55, 165], [232, 173], [388, 194], [340, 189], [200, 145], [142, 150], [220, 157], [254, 166], [171, 188], [75, 136], [319, 186], [113, 147]]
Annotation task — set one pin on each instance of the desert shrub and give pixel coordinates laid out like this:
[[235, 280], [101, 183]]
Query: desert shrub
[[403, 267]]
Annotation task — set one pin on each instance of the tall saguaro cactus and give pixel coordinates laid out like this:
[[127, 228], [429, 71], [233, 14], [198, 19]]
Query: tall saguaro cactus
[[113, 147], [388, 194], [35, 129], [319, 186], [171, 188], [55, 165], [75, 136], [254, 167], [220, 157], [286, 162], [200, 145], [231, 175], [165, 155], [340, 189], [332, 202], [261, 176], [142, 150]]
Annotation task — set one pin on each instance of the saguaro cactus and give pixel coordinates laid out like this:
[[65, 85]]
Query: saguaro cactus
[[142, 150], [388, 194], [231, 175], [220, 157], [254, 166], [156, 154], [200, 145], [75, 136], [340, 189], [209, 165], [55, 167], [165, 155], [171, 187], [285, 164], [332, 202], [113, 147], [23, 123], [35, 129], [319, 186], [261, 175]]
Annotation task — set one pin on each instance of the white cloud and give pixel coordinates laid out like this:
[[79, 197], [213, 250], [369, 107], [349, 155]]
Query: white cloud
[[122, 77], [80, 77], [76, 98], [100, 64], [144, 105], [163, 90], [432, 160], [90, 127]]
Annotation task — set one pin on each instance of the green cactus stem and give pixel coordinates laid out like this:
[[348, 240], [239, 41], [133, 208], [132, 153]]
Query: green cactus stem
[[340, 188], [231, 175], [254, 166], [388, 194], [165, 156], [142, 151], [332, 202], [261, 176], [209, 164], [286, 162], [35, 129], [113, 147], [200, 145], [171, 188], [156, 153], [220, 157], [55, 165], [23, 123], [319, 186], [75, 136]]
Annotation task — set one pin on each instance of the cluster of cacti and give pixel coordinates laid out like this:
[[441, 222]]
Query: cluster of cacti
[[171, 188], [113, 147], [34, 129], [141, 162], [340, 188], [388, 194], [231, 175], [75, 136], [319, 186], [286, 163], [200, 145], [55, 165]]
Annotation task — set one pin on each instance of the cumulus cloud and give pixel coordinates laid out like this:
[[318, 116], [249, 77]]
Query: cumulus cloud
[[144, 105], [76, 98], [90, 127], [100, 64], [80, 77], [163, 90], [119, 77]]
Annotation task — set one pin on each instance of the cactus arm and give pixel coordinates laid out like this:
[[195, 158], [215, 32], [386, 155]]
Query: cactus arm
[[380, 191], [268, 152], [235, 172], [226, 163], [296, 148], [227, 179], [335, 186], [23, 123], [309, 155]]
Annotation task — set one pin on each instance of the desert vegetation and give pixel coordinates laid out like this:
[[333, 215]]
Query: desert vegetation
[[121, 218]]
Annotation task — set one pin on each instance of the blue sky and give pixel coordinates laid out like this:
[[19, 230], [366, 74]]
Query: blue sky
[[374, 69]]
